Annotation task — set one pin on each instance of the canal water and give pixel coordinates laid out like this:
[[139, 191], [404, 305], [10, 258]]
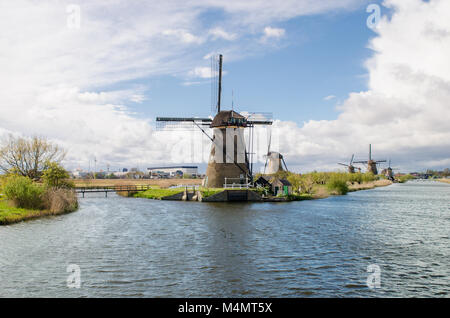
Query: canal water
[[126, 247]]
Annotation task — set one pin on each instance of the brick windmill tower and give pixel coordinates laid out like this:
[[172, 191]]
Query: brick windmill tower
[[371, 164], [230, 160]]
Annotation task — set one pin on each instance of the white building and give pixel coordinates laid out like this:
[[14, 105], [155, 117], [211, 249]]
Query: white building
[[186, 170]]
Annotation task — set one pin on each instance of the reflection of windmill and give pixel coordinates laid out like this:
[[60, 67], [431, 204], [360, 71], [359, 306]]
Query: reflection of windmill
[[350, 166], [371, 164], [274, 160], [221, 165]]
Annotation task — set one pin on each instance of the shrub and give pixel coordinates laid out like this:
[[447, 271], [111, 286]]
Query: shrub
[[58, 200], [368, 177], [337, 185], [356, 177], [23, 192], [405, 178], [56, 176]]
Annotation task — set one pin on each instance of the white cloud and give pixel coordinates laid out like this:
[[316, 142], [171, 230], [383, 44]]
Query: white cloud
[[184, 36], [202, 72], [52, 78], [270, 32], [329, 97], [405, 113], [219, 33]]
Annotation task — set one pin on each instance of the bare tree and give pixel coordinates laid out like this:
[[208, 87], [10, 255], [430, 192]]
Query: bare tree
[[28, 156]]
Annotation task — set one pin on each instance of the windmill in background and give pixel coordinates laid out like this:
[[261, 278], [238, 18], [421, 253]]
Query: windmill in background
[[351, 168], [274, 160], [389, 172], [371, 164], [240, 166]]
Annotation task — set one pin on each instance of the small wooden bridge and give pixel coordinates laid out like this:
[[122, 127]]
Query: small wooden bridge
[[106, 189]]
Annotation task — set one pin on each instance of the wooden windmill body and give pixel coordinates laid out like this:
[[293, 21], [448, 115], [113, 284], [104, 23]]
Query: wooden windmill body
[[220, 165], [371, 164], [350, 166], [389, 172]]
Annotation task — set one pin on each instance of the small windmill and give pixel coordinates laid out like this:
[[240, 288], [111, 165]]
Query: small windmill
[[350, 166], [218, 172], [371, 164], [389, 172], [274, 160]]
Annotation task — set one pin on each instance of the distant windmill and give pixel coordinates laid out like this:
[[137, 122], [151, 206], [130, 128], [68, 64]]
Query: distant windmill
[[350, 166], [274, 160], [389, 172], [371, 164], [229, 168]]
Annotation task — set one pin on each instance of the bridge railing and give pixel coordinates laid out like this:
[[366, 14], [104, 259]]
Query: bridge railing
[[116, 188]]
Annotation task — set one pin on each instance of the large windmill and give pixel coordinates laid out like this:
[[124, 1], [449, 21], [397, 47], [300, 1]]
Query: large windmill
[[350, 166], [222, 165], [371, 164]]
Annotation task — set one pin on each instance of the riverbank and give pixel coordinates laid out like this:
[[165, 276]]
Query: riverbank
[[321, 191], [10, 214], [444, 180], [161, 183], [227, 195]]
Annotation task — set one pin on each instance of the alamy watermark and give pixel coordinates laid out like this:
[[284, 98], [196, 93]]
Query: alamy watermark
[[74, 278], [374, 279], [74, 16], [374, 18]]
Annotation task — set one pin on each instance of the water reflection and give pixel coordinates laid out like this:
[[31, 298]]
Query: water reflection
[[145, 248]]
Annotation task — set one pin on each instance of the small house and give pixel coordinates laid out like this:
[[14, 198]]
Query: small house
[[281, 186], [263, 181]]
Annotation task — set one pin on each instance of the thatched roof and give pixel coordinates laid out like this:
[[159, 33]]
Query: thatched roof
[[228, 118]]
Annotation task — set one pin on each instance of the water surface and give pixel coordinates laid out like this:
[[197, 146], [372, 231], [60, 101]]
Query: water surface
[[128, 247]]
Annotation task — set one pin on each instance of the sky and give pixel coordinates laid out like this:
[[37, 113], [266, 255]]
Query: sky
[[93, 75]]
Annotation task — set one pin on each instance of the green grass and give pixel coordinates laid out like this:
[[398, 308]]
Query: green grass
[[207, 192], [157, 193], [10, 214], [405, 178], [300, 197], [338, 186]]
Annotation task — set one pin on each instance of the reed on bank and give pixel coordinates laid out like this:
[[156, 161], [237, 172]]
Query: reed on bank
[[22, 199]]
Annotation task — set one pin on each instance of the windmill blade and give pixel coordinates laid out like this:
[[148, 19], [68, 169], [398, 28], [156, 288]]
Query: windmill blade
[[343, 164], [282, 159], [181, 123], [351, 160], [257, 118], [268, 151]]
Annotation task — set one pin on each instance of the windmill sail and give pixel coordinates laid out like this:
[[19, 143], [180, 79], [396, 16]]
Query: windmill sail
[[224, 121]]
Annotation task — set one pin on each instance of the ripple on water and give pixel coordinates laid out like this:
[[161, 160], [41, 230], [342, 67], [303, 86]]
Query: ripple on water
[[142, 248]]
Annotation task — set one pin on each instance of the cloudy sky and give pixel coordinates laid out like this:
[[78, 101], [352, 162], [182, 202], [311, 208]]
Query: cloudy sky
[[93, 75]]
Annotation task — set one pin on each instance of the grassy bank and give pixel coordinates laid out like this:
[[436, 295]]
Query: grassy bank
[[162, 183], [10, 214], [157, 193], [315, 185], [22, 199], [405, 178], [322, 191], [444, 180]]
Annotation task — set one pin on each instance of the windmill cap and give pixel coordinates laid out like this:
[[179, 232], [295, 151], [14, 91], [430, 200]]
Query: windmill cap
[[228, 118]]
